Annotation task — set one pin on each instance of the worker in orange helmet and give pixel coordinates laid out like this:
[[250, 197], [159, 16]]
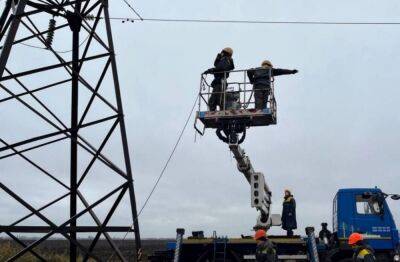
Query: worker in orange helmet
[[265, 251], [362, 252]]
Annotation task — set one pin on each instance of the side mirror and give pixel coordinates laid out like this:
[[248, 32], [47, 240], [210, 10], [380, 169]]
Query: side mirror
[[276, 219], [395, 197]]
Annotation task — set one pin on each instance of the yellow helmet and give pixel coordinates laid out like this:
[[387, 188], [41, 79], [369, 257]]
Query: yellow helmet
[[266, 63], [228, 50]]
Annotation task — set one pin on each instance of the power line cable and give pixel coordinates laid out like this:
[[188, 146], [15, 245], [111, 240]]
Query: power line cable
[[164, 168], [252, 21]]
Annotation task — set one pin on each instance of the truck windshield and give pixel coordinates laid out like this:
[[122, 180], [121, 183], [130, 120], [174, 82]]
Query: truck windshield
[[367, 206]]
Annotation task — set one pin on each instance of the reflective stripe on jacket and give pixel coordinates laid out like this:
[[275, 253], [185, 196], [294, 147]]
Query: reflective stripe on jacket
[[364, 254]]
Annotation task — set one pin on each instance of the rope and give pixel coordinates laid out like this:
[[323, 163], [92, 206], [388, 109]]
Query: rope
[[163, 169], [246, 104]]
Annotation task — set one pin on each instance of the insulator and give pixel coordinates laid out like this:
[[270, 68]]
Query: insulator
[[50, 32], [127, 20], [89, 17]]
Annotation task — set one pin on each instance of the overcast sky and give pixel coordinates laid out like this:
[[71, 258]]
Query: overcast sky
[[338, 121]]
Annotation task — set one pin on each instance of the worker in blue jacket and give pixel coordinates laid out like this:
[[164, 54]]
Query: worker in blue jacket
[[289, 222], [261, 79], [222, 65]]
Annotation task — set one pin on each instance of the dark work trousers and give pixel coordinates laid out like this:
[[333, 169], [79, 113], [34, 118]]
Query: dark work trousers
[[217, 96], [261, 94]]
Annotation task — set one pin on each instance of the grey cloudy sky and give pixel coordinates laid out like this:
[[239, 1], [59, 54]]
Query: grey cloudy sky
[[338, 121]]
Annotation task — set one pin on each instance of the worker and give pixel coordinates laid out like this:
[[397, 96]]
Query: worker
[[362, 252], [265, 251], [379, 200], [325, 235], [261, 79], [289, 213], [222, 65]]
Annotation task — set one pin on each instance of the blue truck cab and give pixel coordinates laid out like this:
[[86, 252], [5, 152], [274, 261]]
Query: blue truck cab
[[366, 211]]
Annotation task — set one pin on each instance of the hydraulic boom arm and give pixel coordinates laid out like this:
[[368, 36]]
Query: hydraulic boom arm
[[260, 193]]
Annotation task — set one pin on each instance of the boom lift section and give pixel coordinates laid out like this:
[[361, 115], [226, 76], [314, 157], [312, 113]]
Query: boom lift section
[[237, 113], [260, 193]]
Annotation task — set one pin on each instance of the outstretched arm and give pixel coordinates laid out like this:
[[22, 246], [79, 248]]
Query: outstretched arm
[[278, 71]]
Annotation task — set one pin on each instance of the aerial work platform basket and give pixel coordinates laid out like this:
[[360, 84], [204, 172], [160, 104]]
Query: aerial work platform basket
[[237, 104]]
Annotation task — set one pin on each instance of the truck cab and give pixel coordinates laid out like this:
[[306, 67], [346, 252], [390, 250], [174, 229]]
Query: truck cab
[[364, 210]]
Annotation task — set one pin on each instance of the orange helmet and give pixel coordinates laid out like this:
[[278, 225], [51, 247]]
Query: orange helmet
[[260, 234], [354, 238]]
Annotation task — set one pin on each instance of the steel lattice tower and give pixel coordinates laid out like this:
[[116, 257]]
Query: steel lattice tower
[[31, 67]]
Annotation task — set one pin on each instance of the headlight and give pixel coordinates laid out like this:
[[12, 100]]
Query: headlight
[[396, 257]]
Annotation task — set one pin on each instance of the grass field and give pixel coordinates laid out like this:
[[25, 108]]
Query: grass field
[[57, 250]]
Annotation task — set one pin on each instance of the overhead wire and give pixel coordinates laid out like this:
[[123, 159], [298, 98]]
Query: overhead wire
[[205, 20], [252, 21], [177, 20], [163, 169]]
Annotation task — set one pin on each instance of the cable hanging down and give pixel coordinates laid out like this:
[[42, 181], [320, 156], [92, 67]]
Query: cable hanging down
[[164, 168]]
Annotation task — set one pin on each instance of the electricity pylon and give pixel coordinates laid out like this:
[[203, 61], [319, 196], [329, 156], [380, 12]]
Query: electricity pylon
[[68, 94]]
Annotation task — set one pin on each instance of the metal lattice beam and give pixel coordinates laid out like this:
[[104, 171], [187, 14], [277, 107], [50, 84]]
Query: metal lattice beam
[[91, 46]]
